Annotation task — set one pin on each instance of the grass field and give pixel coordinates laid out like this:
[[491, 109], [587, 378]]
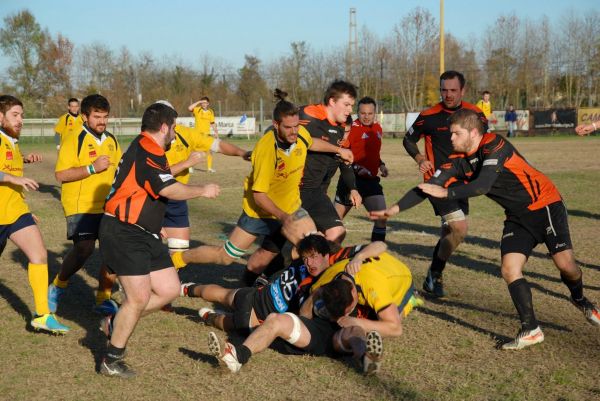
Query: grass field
[[446, 352]]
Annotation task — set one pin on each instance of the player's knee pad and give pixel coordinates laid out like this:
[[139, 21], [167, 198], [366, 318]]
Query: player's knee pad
[[178, 245], [233, 251], [296, 329], [457, 215]]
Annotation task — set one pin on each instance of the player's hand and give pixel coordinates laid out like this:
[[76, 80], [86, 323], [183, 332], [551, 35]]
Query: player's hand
[[163, 233], [26, 183], [355, 198], [426, 166], [346, 155], [211, 191], [32, 158], [384, 170], [195, 158], [384, 214], [361, 171], [584, 129], [434, 190], [353, 266], [101, 163], [247, 156]]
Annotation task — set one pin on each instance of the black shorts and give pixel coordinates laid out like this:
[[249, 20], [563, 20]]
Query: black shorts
[[321, 209], [83, 227], [321, 338], [130, 251], [247, 299], [547, 225], [443, 207], [366, 187]]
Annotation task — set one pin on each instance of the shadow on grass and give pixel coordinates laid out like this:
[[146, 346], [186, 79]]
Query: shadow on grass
[[584, 213], [53, 190], [200, 357]]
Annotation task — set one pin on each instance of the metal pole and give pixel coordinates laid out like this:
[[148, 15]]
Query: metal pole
[[442, 67]]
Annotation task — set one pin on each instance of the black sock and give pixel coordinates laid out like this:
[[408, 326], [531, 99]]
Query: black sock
[[190, 291], [243, 353], [114, 353], [520, 292], [249, 277], [378, 234], [576, 287], [437, 264]]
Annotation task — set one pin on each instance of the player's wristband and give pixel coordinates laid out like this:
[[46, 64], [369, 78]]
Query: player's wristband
[[91, 169]]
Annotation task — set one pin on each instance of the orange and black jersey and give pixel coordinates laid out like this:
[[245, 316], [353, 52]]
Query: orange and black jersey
[[432, 124], [498, 170], [320, 167], [143, 172]]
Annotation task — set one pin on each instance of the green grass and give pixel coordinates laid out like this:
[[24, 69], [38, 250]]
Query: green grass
[[446, 352]]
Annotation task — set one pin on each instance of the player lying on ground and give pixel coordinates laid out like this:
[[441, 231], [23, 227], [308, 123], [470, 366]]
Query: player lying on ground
[[285, 292], [535, 213]]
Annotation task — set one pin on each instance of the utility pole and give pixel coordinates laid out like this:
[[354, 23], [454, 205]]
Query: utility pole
[[352, 46]]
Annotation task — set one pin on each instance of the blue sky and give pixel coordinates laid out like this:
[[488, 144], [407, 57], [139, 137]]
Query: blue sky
[[228, 29]]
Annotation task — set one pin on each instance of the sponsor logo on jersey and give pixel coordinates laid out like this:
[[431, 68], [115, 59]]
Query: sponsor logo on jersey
[[165, 177], [475, 160], [364, 136], [490, 162], [93, 153], [332, 131], [9, 155]]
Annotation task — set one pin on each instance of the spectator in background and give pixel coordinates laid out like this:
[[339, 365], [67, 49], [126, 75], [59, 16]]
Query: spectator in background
[[511, 121], [485, 105], [586, 129]]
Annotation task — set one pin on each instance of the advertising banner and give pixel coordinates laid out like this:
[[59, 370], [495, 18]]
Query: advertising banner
[[587, 115], [555, 118]]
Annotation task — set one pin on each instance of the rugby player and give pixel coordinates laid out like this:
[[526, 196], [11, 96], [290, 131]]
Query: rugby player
[[534, 209], [16, 221], [326, 121], [364, 139], [86, 166], [68, 123], [271, 203], [432, 124], [129, 233], [205, 119]]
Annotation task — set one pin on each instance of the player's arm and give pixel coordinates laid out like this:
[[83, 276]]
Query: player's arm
[[348, 177], [410, 145], [319, 145], [193, 159], [388, 323], [215, 129], [26, 183], [230, 149], [372, 250], [179, 191], [267, 204], [79, 173], [192, 106]]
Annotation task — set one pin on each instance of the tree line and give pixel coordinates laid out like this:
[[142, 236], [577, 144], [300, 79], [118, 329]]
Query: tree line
[[530, 63]]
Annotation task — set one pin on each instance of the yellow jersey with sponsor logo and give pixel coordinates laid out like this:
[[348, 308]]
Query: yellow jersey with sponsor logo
[[276, 172], [88, 194], [187, 140], [203, 119], [12, 200]]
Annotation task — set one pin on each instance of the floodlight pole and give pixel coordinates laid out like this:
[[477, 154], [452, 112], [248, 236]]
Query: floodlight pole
[[442, 67]]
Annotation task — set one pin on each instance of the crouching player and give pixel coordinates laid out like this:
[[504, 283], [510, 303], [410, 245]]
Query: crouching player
[[271, 203]]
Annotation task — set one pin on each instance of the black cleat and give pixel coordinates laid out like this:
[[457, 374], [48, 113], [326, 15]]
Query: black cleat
[[117, 368], [434, 285]]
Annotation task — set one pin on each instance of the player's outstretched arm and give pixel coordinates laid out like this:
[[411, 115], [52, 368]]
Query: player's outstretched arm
[[230, 149], [179, 191], [389, 323], [320, 145]]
